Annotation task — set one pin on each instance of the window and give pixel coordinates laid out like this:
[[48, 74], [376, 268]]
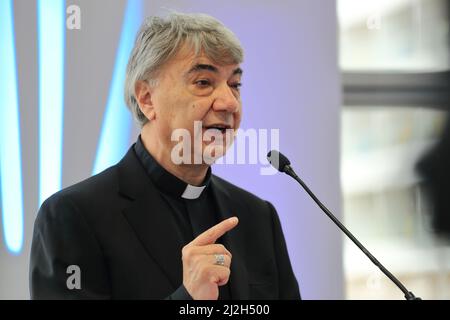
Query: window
[[395, 62]]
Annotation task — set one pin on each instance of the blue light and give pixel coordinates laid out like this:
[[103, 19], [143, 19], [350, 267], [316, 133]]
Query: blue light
[[10, 153], [51, 42], [114, 136]]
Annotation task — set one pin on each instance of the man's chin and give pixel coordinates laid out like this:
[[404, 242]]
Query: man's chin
[[214, 151], [209, 156]]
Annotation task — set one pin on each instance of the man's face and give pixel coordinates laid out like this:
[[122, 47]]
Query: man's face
[[192, 88]]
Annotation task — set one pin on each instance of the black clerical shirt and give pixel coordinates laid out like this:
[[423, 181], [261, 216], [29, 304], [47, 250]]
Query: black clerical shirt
[[194, 208]]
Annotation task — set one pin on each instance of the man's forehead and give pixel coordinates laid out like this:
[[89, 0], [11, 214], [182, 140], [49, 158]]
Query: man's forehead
[[188, 60]]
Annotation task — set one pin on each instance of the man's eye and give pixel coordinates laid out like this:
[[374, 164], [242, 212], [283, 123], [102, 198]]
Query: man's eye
[[236, 85], [203, 83]]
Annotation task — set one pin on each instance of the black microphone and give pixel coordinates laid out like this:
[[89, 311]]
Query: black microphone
[[282, 164]]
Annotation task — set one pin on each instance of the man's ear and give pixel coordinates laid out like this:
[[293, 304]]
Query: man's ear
[[143, 94]]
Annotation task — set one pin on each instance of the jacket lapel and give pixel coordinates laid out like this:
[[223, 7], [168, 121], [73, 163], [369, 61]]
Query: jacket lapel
[[150, 218], [234, 241]]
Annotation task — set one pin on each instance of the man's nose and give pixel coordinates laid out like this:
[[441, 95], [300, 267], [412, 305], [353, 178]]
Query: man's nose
[[226, 99]]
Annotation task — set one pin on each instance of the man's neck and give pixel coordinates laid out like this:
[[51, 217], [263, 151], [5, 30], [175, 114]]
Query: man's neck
[[192, 174]]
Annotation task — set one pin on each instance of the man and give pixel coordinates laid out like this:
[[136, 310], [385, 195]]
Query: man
[[155, 227]]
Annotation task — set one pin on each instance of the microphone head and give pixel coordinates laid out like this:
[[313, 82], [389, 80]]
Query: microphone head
[[278, 160]]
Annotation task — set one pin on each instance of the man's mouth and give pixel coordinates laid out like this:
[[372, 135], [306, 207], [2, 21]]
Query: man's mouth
[[219, 126]]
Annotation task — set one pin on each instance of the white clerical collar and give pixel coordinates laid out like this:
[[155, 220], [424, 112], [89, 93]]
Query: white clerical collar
[[164, 180], [192, 192]]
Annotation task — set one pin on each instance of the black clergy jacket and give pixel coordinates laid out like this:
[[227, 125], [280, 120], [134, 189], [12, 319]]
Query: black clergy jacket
[[116, 228]]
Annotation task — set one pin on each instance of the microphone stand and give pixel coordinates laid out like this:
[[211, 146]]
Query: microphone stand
[[408, 294]]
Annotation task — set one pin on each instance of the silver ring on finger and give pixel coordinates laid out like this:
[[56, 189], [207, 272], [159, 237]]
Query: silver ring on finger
[[220, 259]]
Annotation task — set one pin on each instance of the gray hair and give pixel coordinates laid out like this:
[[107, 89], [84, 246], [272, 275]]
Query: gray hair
[[160, 39]]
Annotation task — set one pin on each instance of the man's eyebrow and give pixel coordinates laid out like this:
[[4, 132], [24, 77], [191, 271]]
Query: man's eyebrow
[[202, 67], [238, 71], [208, 67]]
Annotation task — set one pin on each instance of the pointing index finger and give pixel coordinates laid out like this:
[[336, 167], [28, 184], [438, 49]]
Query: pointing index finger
[[212, 234]]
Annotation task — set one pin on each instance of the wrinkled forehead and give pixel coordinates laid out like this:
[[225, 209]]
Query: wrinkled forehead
[[189, 61], [188, 57]]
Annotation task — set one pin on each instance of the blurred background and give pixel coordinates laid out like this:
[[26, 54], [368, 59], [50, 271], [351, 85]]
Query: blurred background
[[359, 91], [394, 59]]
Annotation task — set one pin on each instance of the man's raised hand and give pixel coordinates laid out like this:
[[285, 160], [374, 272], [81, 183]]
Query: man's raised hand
[[204, 270]]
